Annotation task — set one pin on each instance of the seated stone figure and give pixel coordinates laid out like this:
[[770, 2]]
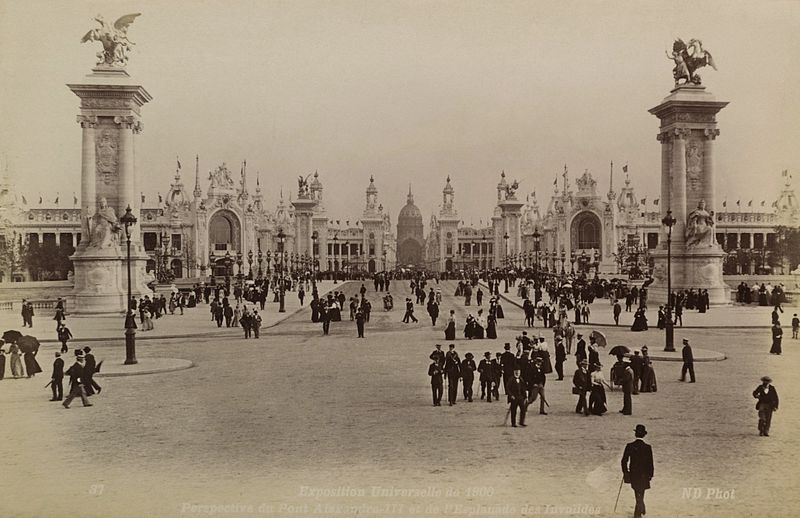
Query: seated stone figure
[[104, 226], [700, 226]]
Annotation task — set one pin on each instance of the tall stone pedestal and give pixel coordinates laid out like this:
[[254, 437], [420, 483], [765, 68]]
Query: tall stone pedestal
[[98, 282], [687, 133], [110, 118]]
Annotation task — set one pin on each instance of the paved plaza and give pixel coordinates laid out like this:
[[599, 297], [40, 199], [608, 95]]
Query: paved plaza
[[298, 424]]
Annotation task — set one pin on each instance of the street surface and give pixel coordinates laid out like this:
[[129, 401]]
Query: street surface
[[299, 424]]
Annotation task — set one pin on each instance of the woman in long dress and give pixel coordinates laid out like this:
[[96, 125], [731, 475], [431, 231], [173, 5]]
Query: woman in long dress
[[31, 365], [450, 330], [491, 326], [639, 321], [597, 397], [16, 363], [648, 373], [469, 327], [777, 337], [480, 325]]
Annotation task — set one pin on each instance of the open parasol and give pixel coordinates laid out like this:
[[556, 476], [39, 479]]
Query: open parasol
[[11, 336], [28, 344], [619, 349], [599, 337]]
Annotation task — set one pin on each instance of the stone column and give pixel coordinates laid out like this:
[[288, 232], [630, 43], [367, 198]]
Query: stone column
[[88, 167], [709, 184], [678, 196], [127, 179]]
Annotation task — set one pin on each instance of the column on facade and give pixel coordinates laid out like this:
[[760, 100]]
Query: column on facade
[[709, 182], [666, 179], [127, 172], [88, 166], [678, 196]]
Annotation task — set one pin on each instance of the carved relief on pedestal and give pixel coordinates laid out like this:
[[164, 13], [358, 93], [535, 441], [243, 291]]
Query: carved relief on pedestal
[[106, 155], [694, 165]]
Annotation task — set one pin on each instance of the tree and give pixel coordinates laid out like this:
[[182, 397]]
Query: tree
[[788, 247], [49, 261], [13, 256]]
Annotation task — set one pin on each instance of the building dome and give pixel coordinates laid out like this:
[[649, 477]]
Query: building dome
[[409, 212]]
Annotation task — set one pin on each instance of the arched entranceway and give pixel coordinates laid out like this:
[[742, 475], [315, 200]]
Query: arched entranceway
[[224, 231], [586, 232], [177, 268], [371, 266], [448, 265]]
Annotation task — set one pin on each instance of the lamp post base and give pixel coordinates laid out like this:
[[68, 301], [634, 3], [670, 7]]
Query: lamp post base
[[669, 329], [130, 347], [282, 309]]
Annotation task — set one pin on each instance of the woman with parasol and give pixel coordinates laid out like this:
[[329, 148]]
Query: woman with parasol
[[29, 346]]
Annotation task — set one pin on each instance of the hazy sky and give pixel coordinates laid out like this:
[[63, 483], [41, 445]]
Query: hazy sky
[[407, 91]]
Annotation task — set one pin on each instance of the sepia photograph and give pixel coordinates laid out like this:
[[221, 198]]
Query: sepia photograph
[[440, 258]]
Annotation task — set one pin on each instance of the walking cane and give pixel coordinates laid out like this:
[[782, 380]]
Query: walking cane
[[618, 493]]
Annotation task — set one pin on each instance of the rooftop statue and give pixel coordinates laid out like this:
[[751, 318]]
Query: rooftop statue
[[114, 39], [511, 190], [302, 186], [688, 58]]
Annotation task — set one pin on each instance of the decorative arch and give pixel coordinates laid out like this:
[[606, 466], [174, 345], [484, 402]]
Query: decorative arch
[[586, 231], [371, 266], [224, 231], [448, 265], [177, 268]]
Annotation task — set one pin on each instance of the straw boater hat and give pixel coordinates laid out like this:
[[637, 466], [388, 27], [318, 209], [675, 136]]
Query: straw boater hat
[[584, 362]]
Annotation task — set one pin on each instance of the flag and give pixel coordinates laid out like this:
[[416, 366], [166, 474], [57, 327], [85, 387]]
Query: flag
[[625, 168], [750, 203], [56, 200], [763, 202], [24, 201], [142, 197], [179, 162], [40, 200], [725, 203], [738, 203], [655, 202], [74, 199], [785, 173], [555, 182]]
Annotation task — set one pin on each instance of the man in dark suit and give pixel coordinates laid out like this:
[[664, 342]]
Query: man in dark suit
[[409, 312], [468, 375], [580, 349], [767, 404], [485, 370], [626, 380], [637, 468], [57, 378], [437, 384], [536, 381], [582, 383], [89, 384], [617, 311], [507, 364], [452, 367], [637, 366], [76, 389], [518, 397], [688, 361]]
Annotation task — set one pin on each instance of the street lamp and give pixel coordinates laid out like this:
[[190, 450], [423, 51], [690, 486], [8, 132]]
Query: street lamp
[[572, 258], [281, 237], [335, 243], [596, 264], [314, 238], [563, 260], [250, 262], [228, 270], [239, 263], [669, 222], [128, 220]]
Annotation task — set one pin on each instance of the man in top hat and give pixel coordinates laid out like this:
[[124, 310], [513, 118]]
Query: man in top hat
[[561, 357], [767, 398], [517, 396], [89, 384], [452, 368], [637, 366], [536, 381], [507, 363], [485, 370], [409, 312], [688, 361], [582, 383], [637, 468], [75, 373], [437, 383], [57, 378], [468, 375]]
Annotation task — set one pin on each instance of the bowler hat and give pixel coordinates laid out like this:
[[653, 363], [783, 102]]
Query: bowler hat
[[487, 353], [468, 356], [507, 346], [686, 341], [766, 378], [640, 430], [87, 349]]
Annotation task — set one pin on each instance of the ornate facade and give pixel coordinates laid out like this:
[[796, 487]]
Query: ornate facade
[[201, 233]]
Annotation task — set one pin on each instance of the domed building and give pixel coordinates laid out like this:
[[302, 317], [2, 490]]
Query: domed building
[[410, 238]]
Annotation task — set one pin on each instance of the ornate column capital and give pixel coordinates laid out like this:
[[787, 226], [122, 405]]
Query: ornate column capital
[[681, 133], [663, 137], [87, 121], [711, 133], [125, 121]]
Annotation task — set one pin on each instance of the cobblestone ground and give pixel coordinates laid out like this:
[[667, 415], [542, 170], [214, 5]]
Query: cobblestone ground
[[264, 427]]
